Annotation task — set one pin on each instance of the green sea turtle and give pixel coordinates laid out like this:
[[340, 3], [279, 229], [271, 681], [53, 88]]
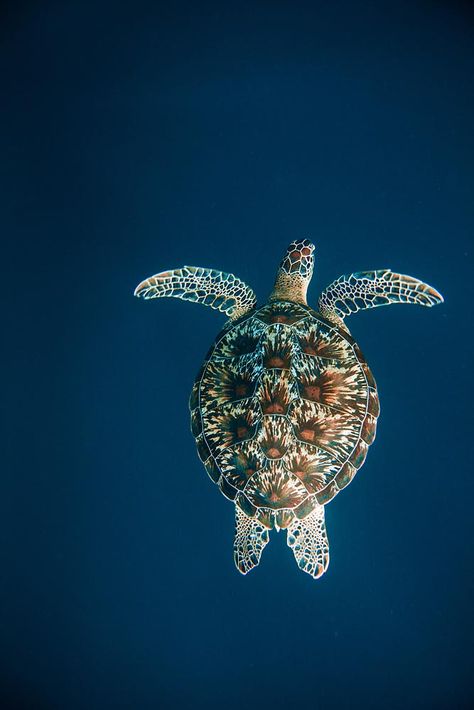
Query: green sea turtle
[[285, 407]]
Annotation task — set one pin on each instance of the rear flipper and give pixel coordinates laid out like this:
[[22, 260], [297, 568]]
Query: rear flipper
[[250, 539], [221, 291], [368, 289], [308, 540]]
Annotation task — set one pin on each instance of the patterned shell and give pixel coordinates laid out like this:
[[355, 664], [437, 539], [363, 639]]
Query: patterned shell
[[283, 411]]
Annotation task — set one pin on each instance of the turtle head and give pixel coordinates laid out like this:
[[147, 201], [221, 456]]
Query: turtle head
[[295, 272]]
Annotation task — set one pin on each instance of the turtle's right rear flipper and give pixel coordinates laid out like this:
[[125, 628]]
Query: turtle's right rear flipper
[[308, 540], [221, 291]]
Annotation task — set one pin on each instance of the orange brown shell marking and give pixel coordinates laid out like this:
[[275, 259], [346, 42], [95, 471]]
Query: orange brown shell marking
[[283, 411]]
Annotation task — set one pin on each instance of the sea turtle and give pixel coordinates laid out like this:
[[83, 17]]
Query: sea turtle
[[285, 407]]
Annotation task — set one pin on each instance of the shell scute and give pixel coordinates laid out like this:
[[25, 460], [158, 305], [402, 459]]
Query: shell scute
[[275, 436], [212, 469], [196, 422], [341, 385], [284, 517], [277, 348], [240, 340], [266, 517], [229, 491], [317, 340], [369, 429], [226, 381], [276, 392], [373, 405], [203, 449], [245, 505], [357, 457], [230, 424], [328, 493], [240, 462], [335, 432], [313, 466], [306, 507], [281, 312], [345, 475], [275, 488]]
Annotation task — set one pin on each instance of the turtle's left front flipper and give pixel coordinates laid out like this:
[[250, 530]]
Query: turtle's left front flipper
[[221, 291], [368, 289]]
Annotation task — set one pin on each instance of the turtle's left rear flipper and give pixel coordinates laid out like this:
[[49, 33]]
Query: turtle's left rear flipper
[[221, 291], [368, 289], [250, 539]]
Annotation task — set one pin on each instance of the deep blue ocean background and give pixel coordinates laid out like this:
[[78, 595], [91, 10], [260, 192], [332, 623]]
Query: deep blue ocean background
[[140, 136]]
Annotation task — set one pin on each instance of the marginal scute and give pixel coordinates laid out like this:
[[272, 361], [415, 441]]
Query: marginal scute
[[203, 449], [194, 397], [266, 517], [328, 493], [288, 408], [370, 378], [196, 422], [229, 491], [245, 505], [373, 405], [306, 507], [369, 429], [283, 518], [345, 475], [212, 469], [358, 353], [357, 457]]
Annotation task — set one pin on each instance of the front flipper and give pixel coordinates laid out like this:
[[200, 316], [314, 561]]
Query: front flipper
[[250, 539], [308, 540], [368, 289], [221, 291]]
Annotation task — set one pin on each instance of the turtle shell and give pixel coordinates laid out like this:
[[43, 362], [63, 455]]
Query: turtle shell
[[283, 411]]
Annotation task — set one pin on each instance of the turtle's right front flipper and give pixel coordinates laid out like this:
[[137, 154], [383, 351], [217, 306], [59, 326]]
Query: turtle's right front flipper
[[369, 289], [221, 291]]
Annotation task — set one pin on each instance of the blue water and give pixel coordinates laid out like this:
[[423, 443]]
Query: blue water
[[137, 137]]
